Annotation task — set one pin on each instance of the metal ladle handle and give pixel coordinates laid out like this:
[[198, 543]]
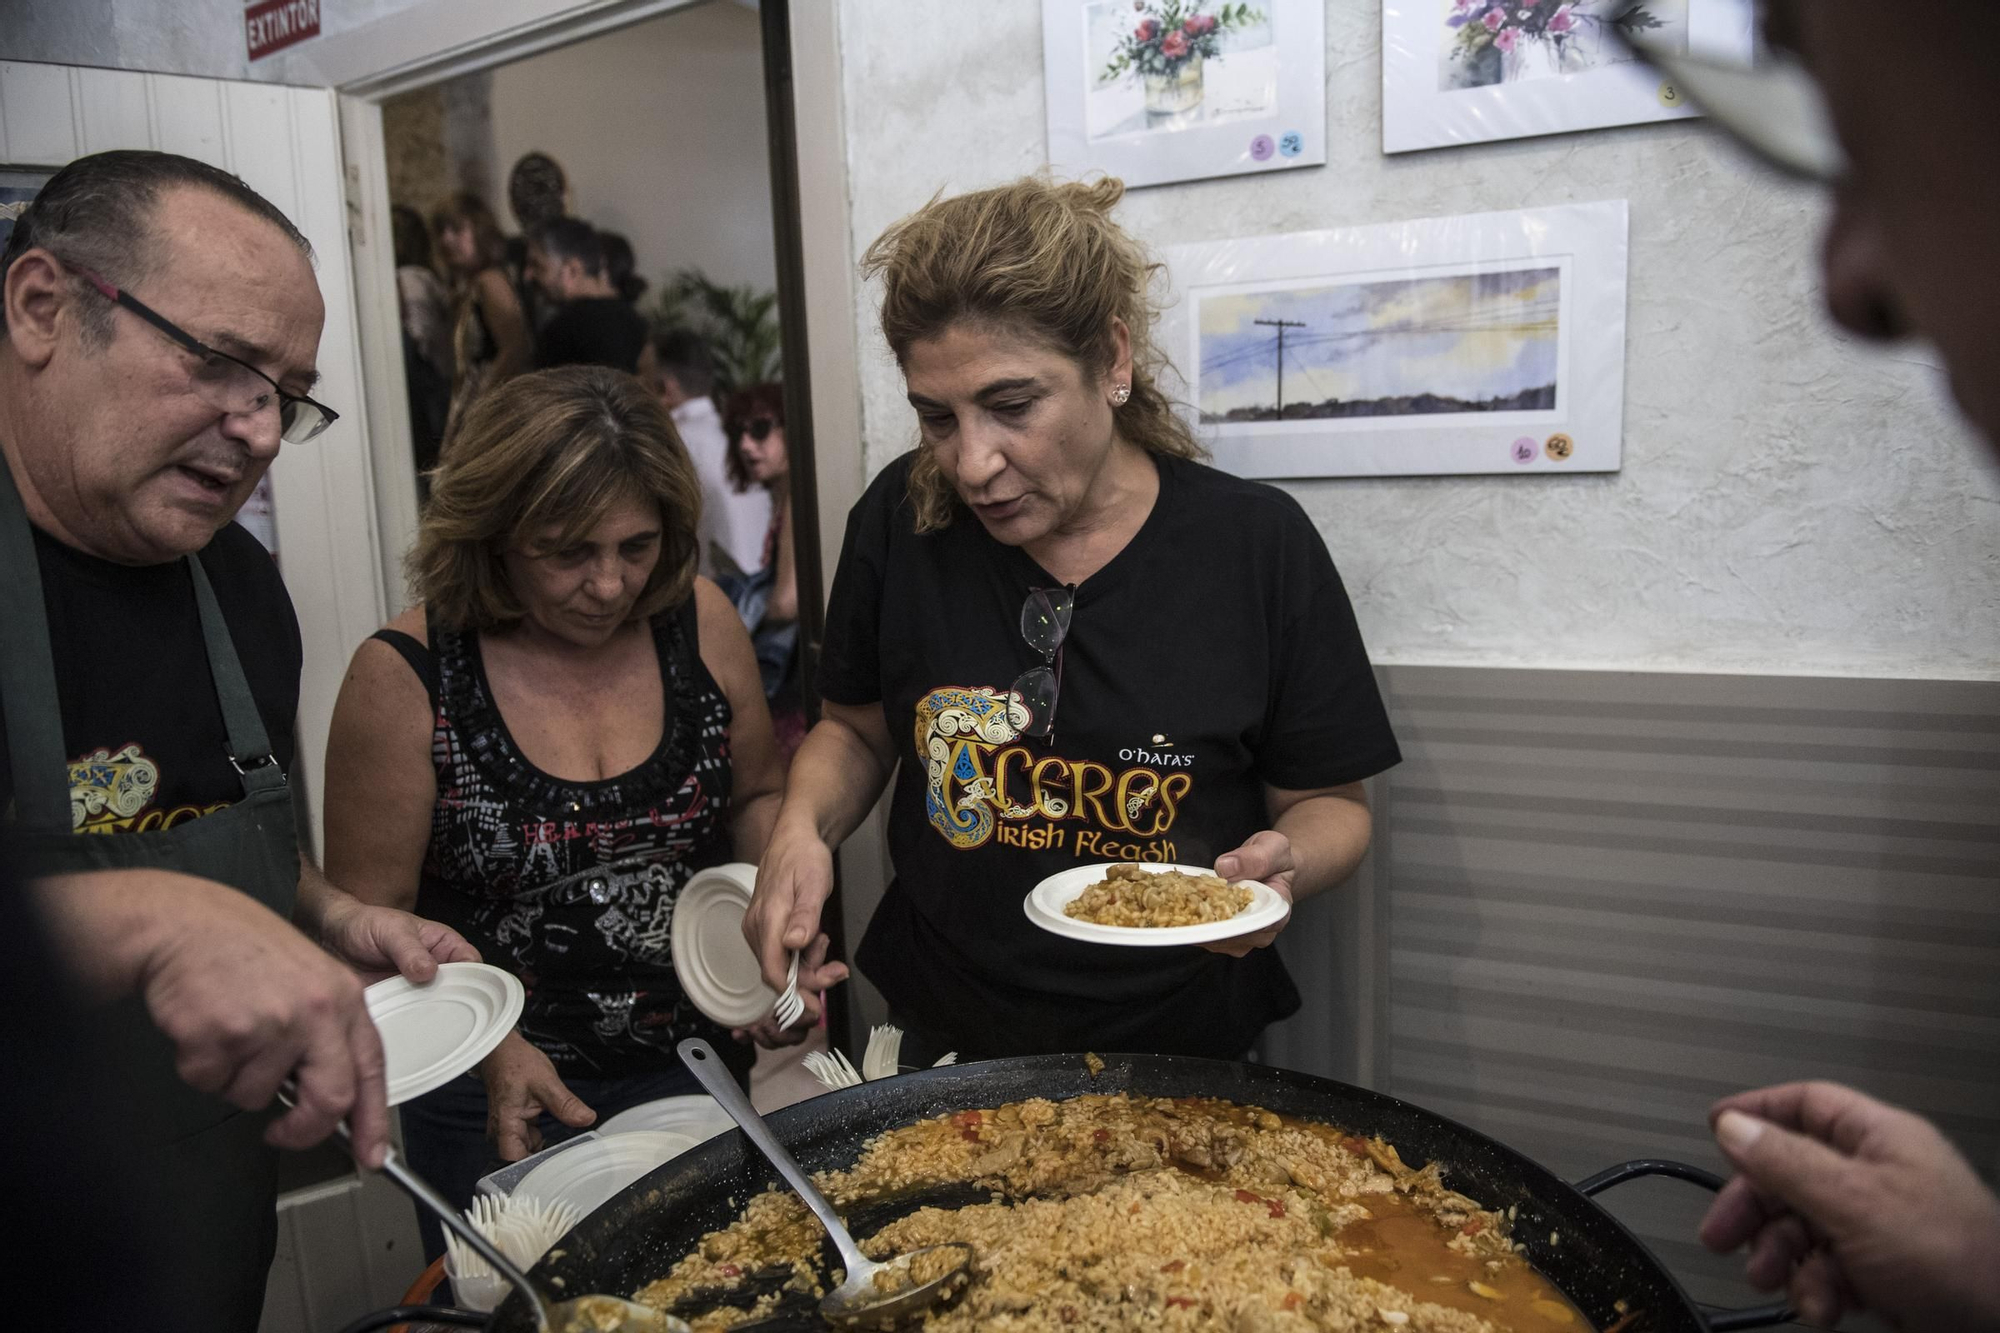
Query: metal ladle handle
[[706, 1065], [420, 1189]]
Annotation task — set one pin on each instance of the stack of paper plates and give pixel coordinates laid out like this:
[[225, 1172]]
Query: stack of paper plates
[[699, 1117], [711, 958], [433, 1033], [591, 1172]]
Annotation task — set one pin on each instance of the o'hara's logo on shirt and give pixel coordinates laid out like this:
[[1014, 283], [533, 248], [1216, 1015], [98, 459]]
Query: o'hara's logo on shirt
[[1160, 756], [985, 783]]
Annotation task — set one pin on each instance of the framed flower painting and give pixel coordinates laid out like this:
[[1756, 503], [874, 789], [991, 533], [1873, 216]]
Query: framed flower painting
[[1153, 91], [1471, 71]]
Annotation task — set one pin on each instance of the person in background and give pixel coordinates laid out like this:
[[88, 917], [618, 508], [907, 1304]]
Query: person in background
[[490, 341], [426, 313], [538, 193], [768, 599], [1845, 1201], [622, 267], [734, 522], [546, 749], [159, 328], [592, 325]]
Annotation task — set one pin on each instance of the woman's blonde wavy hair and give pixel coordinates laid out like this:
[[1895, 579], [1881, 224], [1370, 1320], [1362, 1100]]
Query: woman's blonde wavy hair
[[554, 449], [1039, 258]]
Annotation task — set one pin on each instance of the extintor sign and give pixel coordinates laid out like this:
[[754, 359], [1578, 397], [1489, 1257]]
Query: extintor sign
[[277, 24]]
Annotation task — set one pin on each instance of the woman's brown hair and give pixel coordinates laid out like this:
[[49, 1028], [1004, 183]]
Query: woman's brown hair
[[468, 209], [1040, 258], [553, 449], [742, 407]]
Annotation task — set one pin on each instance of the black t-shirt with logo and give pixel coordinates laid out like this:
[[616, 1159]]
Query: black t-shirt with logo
[[592, 331], [1214, 655], [142, 730]]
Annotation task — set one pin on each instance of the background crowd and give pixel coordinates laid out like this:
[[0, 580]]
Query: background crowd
[[480, 306]]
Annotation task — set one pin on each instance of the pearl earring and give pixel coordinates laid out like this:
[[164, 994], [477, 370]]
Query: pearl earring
[[1120, 394]]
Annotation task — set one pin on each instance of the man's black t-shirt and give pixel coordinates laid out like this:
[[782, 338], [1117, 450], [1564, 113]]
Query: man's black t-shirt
[[144, 735], [1214, 655], [592, 331]]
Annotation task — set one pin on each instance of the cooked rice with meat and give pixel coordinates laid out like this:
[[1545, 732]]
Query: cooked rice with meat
[[1122, 1212], [1131, 895]]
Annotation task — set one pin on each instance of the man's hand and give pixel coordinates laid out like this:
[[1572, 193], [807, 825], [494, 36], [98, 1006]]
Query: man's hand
[[520, 1085], [1267, 857], [1852, 1204], [245, 998], [384, 941]]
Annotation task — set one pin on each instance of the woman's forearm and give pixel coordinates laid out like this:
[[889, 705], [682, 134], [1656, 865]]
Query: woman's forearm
[[750, 830], [835, 780], [1329, 833]]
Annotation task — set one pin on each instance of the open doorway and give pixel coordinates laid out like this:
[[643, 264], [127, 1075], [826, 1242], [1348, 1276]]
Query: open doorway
[[656, 138]]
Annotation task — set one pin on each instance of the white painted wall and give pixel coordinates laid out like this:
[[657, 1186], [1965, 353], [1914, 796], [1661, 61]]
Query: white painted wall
[[660, 128], [1790, 503], [199, 37]]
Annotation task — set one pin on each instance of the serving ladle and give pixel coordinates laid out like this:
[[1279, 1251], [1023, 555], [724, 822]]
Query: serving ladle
[[875, 1295], [579, 1314]]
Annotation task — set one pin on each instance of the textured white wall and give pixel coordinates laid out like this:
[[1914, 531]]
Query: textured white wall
[[661, 130], [200, 37], [1790, 502]]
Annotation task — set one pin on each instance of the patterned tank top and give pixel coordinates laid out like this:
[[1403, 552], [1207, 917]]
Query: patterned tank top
[[571, 886]]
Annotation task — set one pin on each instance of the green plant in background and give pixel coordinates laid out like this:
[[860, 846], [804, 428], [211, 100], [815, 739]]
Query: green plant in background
[[739, 324]]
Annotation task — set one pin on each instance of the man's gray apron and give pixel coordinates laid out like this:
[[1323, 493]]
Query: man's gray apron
[[206, 1160]]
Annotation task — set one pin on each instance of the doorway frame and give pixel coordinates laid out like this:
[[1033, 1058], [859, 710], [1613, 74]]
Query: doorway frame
[[805, 114], [431, 43]]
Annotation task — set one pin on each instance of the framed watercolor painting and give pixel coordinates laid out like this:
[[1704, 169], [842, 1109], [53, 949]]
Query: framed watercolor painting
[[1471, 71], [18, 188], [1153, 91], [1493, 343]]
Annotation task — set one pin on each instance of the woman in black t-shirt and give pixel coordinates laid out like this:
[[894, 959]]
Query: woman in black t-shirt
[[1079, 645]]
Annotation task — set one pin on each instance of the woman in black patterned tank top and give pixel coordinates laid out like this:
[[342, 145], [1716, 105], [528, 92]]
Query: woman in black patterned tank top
[[545, 751]]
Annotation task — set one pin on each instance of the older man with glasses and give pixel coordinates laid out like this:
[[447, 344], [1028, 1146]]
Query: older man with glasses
[[149, 671], [1844, 1201]]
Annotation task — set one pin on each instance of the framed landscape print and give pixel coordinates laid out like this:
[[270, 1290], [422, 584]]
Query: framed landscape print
[[1493, 343], [1153, 91], [1471, 71]]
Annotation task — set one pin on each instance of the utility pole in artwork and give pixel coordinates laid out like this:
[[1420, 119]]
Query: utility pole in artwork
[[1281, 325]]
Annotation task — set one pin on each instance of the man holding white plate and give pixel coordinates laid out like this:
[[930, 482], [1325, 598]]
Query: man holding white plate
[[149, 671], [1187, 682]]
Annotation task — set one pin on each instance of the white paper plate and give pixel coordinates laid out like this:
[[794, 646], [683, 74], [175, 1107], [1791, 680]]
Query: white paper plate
[[596, 1169], [433, 1033], [711, 958], [1044, 906], [699, 1117]]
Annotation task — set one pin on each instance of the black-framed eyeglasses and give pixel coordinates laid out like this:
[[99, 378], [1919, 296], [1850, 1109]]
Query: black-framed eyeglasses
[[758, 428], [220, 380], [1769, 103], [1045, 620]]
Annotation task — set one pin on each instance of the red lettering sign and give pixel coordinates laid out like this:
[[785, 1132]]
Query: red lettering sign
[[277, 24]]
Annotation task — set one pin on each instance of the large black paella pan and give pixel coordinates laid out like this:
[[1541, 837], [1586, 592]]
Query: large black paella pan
[[640, 1234]]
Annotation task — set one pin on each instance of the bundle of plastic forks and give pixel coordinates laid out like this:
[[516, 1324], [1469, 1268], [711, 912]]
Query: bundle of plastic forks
[[881, 1060], [521, 1227], [791, 1006]]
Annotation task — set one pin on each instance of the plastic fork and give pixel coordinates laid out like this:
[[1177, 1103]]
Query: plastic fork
[[791, 1006], [833, 1069]]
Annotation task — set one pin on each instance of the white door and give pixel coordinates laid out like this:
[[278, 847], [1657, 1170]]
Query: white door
[[286, 143]]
